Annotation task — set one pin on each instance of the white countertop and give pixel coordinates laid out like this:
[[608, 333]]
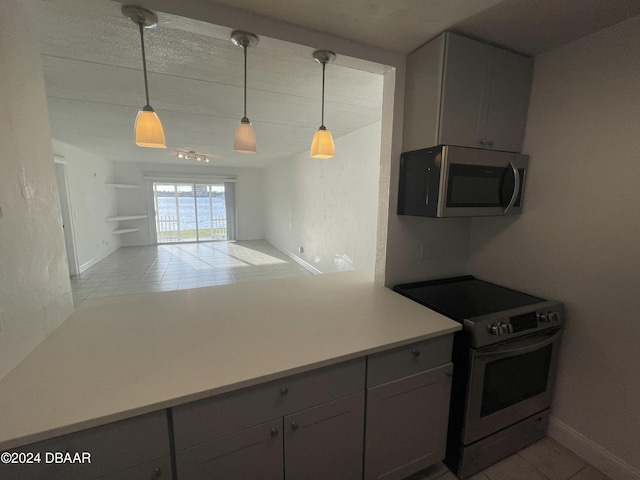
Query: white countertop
[[119, 357]]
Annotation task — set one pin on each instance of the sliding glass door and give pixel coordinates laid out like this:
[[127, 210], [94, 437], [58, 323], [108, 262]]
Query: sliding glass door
[[189, 212]]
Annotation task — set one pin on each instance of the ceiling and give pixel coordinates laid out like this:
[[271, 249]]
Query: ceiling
[[94, 84]]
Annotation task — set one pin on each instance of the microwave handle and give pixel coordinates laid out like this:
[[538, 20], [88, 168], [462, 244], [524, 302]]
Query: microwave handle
[[516, 187]]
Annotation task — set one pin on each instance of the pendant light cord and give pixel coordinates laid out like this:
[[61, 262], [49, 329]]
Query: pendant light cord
[[324, 64], [244, 47], [144, 63]]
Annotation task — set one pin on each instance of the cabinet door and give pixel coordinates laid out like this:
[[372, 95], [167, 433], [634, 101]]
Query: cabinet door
[[509, 102], [325, 442], [465, 92], [407, 424], [138, 445], [254, 453]]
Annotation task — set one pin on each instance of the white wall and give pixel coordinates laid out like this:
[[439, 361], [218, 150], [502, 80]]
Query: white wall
[[91, 203], [35, 294], [578, 239], [249, 197], [328, 207]]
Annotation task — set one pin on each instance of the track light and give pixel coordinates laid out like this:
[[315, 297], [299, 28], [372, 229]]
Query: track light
[[191, 155], [244, 140], [148, 130], [322, 144]]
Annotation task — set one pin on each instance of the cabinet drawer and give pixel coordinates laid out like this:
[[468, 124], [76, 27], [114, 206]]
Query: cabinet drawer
[[254, 453], [204, 420], [113, 448], [397, 363]]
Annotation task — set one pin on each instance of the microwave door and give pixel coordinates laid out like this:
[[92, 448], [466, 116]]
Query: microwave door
[[481, 183], [474, 190]]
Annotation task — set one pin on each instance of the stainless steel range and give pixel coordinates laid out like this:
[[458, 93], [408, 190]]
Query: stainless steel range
[[505, 359]]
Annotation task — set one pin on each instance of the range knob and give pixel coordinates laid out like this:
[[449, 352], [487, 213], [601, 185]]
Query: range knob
[[544, 317], [495, 329], [506, 328]]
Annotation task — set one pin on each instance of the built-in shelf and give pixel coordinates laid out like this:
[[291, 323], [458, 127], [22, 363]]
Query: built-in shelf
[[120, 185], [125, 230], [118, 218]]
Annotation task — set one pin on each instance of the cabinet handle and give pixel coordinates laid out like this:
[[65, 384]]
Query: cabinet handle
[[294, 425], [274, 432], [284, 391], [416, 352], [157, 473], [491, 143], [482, 141]]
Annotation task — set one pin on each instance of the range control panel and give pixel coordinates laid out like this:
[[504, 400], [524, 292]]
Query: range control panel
[[485, 329]]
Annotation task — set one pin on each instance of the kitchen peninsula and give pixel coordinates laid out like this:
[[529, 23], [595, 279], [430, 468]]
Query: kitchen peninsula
[[335, 336]]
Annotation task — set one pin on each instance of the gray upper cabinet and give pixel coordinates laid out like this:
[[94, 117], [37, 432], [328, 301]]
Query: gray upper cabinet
[[463, 92]]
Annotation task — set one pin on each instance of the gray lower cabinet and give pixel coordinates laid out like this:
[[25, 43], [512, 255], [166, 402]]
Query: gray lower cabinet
[[319, 443], [133, 449], [308, 426], [408, 391], [325, 442], [253, 453], [407, 424]]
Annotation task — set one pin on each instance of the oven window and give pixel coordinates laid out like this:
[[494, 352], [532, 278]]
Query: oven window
[[511, 380]]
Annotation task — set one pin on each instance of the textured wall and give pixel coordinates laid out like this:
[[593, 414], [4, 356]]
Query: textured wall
[[35, 294], [578, 239], [91, 203], [328, 207]]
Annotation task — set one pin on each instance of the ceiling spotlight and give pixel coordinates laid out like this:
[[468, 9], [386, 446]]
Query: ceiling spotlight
[[322, 143], [244, 140], [180, 154], [148, 130]]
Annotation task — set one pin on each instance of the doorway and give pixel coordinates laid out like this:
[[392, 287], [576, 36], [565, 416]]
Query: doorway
[[190, 212], [67, 219]]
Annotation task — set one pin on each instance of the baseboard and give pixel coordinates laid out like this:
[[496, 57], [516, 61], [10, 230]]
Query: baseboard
[[300, 261], [95, 260], [603, 460]]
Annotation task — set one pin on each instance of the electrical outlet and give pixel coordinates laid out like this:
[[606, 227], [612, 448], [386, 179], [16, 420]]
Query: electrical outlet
[[301, 250]]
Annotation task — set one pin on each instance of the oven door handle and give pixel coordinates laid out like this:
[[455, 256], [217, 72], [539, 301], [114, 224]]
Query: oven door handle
[[528, 346]]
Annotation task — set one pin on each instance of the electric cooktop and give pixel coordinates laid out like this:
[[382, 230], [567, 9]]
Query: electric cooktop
[[465, 297]]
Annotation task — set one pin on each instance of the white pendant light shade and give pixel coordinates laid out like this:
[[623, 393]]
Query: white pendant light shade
[[244, 140], [148, 130], [322, 144]]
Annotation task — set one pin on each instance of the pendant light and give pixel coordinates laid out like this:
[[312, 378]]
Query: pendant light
[[244, 140], [322, 143], [148, 130]]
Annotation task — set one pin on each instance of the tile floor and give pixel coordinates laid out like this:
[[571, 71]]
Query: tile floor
[[544, 460], [160, 268]]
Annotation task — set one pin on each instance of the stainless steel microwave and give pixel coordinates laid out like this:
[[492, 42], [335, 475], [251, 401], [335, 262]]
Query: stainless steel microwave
[[449, 181]]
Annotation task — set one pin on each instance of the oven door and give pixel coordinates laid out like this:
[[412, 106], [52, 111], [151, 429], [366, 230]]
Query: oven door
[[509, 382]]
